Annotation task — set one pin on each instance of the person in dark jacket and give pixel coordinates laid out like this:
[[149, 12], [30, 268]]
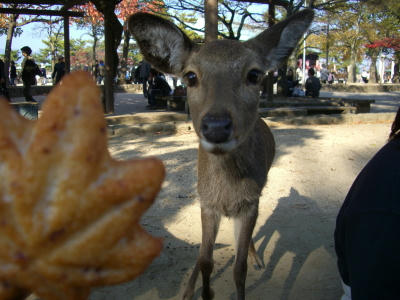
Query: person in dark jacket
[[95, 70], [59, 70], [158, 86], [28, 73], [312, 84], [101, 72], [13, 73], [3, 81], [144, 73], [367, 234]]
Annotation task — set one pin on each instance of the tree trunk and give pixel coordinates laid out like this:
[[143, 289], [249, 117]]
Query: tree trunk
[[327, 45], [108, 91], [7, 52], [352, 67], [112, 38], [270, 81], [373, 71], [95, 40], [396, 76], [124, 60], [211, 20], [53, 56], [67, 56]]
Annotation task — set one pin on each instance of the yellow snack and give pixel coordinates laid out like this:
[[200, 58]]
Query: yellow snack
[[69, 213]]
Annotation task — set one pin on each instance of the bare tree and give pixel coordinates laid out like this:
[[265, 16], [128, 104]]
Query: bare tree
[[232, 16]]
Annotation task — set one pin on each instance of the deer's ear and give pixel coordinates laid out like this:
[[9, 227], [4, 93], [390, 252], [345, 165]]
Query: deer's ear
[[276, 43], [161, 42]]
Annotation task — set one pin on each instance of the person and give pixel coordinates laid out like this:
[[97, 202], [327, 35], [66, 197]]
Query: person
[[312, 84], [101, 73], [144, 73], [367, 233], [158, 86], [59, 70], [324, 74], [43, 76], [331, 77], [291, 82], [364, 76], [29, 71], [299, 75], [3, 81], [95, 70], [13, 73]]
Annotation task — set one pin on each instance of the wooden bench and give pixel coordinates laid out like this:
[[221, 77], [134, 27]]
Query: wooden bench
[[361, 105], [315, 110], [304, 111], [174, 103]]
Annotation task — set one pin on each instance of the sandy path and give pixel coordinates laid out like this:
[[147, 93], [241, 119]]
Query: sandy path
[[313, 170]]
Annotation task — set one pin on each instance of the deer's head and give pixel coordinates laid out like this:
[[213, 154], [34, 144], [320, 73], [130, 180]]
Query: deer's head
[[223, 77]]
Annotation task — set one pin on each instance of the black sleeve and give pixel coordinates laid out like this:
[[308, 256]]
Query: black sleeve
[[372, 249], [308, 84]]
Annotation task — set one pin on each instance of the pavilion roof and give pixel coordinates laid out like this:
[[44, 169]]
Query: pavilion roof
[[64, 11]]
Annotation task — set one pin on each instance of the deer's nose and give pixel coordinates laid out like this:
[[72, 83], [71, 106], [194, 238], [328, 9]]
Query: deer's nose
[[216, 129]]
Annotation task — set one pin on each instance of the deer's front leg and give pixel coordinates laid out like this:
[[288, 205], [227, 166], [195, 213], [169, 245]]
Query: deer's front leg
[[210, 224], [244, 225]]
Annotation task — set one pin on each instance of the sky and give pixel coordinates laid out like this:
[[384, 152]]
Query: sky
[[32, 37]]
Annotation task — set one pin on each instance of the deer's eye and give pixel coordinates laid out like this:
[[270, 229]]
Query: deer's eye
[[254, 76], [191, 79]]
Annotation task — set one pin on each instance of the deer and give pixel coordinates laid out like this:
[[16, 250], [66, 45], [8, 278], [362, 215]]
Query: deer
[[236, 147]]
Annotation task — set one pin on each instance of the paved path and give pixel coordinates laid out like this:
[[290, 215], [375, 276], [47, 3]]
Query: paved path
[[313, 170], [129, 103]]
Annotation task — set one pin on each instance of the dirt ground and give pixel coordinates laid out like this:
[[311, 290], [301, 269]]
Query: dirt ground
[[312, 172]]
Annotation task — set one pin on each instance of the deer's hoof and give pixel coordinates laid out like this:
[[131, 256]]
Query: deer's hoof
[[257, 262]]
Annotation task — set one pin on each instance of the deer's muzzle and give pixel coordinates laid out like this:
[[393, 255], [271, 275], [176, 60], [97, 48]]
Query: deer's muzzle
[[216, 129], [217, 133]]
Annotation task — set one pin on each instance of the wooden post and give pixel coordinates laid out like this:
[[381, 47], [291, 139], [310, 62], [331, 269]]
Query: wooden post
[[211, 20], [108, 91], [66, 45]]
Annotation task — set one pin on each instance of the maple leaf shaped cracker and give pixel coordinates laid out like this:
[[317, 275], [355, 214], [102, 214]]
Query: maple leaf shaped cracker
[[69, 212]]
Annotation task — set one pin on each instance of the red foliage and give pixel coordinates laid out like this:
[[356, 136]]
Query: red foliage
[[123, 10], [81, 58], [128, 7], [389, 43], [92, 15]]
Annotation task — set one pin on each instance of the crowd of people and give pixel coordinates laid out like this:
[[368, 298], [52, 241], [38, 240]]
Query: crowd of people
[[154, 83], [29, 75], [292, 84]]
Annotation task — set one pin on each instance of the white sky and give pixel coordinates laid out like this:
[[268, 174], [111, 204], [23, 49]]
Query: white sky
[[32, 37]]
